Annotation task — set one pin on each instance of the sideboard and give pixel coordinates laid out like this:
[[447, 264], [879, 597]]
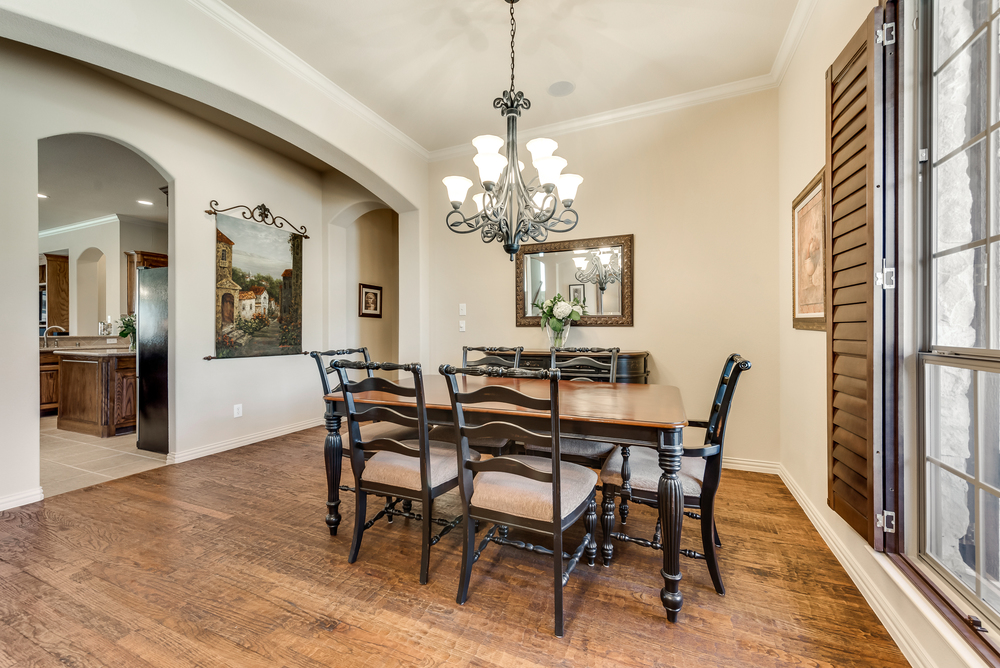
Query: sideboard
[[632, 364]]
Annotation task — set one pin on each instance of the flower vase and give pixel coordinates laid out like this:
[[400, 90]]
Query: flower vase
[[131, 344], [558, 339]]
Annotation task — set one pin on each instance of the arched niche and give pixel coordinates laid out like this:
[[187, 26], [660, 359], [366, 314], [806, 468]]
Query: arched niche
[[91, 291]]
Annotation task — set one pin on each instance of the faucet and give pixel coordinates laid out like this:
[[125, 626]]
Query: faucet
[[45, 335]]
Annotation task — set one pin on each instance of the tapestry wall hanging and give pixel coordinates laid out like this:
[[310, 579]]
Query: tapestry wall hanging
[[258, 288]]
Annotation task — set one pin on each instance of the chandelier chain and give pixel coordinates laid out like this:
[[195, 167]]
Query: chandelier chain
[[513, 31]]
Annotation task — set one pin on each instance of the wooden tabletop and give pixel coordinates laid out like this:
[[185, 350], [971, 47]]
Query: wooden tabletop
[[657, 406]]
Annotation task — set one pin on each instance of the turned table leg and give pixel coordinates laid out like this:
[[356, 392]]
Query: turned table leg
[[671, 501], [333, 454]]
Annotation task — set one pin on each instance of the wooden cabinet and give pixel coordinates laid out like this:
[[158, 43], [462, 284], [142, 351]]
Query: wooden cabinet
[[53, 280], [136, 259], [49, 381], [632, 364], [97, 392]]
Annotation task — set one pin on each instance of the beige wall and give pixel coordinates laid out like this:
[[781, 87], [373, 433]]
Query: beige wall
[[373, 259], [696, 188]]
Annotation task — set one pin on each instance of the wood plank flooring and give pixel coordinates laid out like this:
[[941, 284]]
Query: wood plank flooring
[[226, 561]]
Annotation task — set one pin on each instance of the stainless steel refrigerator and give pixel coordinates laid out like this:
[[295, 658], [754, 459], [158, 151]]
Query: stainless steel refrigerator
[[151, 359]]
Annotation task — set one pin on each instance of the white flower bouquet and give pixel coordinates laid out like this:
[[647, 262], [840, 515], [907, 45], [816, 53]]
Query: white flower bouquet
[[557, 315]]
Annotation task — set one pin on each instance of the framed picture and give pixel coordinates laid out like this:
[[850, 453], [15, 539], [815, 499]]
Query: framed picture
[[809, 257], [577, 291], [369, 301]]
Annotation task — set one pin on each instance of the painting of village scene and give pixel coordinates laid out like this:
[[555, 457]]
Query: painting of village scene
[[258, 289]]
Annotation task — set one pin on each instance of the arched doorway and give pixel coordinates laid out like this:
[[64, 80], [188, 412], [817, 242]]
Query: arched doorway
[[106, 203]]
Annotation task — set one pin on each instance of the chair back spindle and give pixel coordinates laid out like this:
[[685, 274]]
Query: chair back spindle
[[490, 356], [326, 367], [583, 367]]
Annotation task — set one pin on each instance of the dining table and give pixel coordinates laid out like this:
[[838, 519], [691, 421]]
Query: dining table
[[627, 414]]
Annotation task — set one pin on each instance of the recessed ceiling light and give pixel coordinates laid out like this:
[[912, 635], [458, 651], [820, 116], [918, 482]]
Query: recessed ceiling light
[[561, 88], [144, 202], [41, 196]]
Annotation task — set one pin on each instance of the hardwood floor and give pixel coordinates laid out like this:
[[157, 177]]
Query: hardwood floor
[[226, 561]]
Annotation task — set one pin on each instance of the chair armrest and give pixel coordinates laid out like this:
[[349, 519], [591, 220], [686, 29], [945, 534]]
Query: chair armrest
[[703, 451]]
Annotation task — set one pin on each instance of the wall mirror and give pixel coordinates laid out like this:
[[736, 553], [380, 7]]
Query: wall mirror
[[598, 271]]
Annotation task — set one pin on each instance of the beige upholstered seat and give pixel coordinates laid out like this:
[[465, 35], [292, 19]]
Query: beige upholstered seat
[[579, 448], [396, 432], [645, 471], [447, 434], [516, 495], [390, 468]]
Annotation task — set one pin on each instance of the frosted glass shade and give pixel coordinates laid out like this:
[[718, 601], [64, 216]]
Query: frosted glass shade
[[458, 188], [541, 148], [580, 262], [490, 166], [478, 199], [605, 258], [487, 144], [539, 199], [549, 168], [567, 185]]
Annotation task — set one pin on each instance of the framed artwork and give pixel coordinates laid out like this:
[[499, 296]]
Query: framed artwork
[[258, 289], [809, 257], [577, 291], [369, 301]]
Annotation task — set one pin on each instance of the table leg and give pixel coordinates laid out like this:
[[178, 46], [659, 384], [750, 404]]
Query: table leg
[[333, 454], [671, 501]]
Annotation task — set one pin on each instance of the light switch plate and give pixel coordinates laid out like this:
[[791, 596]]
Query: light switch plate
[[461, 309], [461, 325]]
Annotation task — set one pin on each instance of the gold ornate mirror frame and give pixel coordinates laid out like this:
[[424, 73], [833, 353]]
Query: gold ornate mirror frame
[[623, 320]]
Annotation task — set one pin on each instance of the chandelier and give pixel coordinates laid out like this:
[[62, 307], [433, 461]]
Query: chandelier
[[509, 210], [605, 269]]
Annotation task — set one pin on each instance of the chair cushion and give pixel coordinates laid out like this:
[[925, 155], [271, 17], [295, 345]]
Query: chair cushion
[[523, 497], [578, 447], [447, 435], [644, 466], [396, 432], [390, 468]]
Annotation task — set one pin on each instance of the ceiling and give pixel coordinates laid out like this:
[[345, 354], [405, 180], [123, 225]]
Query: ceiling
[[87, 177], [432, 68]]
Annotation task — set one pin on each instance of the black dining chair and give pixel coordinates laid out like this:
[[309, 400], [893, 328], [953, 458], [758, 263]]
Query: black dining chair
[[368, 431], [635, 477], [580, 366], [489, 357], [535, 494], [400, 470]]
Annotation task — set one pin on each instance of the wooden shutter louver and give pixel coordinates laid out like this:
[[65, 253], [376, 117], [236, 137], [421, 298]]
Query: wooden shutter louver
[[854, 172]]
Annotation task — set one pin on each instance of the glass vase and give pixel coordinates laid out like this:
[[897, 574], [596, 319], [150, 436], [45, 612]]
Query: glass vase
[[558, 339]]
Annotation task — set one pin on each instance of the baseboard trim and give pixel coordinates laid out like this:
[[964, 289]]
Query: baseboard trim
[[240, 441], [909, 643], [21, 498], [754, 465]]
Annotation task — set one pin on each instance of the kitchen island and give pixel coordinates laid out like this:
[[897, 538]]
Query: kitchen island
[[97, 391]]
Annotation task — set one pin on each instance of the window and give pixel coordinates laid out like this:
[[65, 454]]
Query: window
[[960, 365]]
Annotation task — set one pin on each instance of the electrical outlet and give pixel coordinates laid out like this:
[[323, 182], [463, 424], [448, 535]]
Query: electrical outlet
[[111, 340], [461, 309], [237, 410], [461, 325]]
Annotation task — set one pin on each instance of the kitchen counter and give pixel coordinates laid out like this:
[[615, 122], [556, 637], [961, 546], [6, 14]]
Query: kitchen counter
[[83, 352], [97, 390]]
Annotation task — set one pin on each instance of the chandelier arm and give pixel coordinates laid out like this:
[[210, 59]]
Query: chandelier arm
[[472, 222]]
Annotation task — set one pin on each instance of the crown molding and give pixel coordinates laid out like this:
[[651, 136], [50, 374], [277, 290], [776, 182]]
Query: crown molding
[[294, 64], [73, 227], [636, 111], [793, 35], [239, 25]]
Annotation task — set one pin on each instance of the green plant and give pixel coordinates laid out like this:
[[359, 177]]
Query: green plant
[[557, 312], [126, 327]]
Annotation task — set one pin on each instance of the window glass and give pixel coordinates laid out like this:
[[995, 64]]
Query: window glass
[[960, 198]]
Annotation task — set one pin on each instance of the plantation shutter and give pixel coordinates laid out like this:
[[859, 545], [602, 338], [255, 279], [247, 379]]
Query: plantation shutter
[[856, 187]]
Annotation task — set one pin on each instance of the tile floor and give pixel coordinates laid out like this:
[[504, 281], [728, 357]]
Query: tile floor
[[71, 461]]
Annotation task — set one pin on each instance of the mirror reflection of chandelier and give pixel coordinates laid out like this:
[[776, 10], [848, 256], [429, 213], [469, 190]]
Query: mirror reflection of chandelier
[[605, 269], [509, 210]]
